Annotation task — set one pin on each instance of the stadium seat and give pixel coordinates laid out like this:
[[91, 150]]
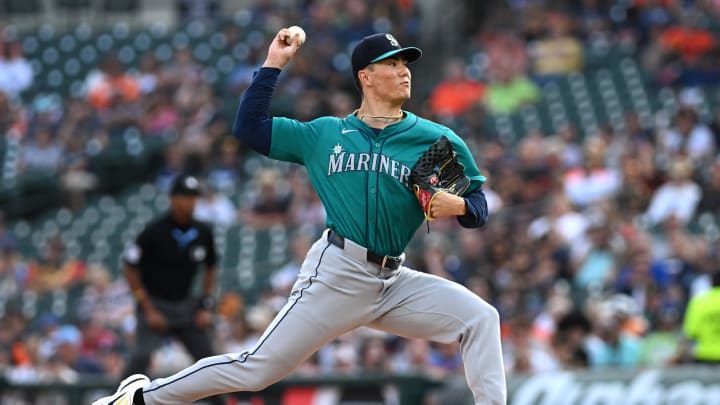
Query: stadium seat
[[142, 41], [31, 45], [531, 118]]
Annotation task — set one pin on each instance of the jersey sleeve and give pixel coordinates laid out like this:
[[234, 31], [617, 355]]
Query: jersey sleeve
[[294, 141], [466, 158]]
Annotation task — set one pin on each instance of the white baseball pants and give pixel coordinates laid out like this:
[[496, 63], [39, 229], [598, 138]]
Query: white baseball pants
[[337, 290]]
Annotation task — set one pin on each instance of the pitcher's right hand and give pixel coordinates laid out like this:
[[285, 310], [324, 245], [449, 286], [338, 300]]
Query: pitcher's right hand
[[279, 52]]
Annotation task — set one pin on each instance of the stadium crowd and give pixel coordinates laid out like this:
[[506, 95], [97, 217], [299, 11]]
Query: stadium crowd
[[596, 241]]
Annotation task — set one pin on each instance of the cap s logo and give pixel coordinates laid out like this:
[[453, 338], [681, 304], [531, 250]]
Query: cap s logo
[[392, 40]]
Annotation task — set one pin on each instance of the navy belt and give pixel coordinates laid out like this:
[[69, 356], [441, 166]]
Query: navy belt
[[385, 262]]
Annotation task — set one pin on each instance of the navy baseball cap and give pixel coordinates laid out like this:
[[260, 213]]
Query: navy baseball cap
[[377, 47], [186, 186]]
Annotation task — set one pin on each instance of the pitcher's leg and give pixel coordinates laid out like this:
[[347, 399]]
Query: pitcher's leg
[[424, 306], [316, 312]]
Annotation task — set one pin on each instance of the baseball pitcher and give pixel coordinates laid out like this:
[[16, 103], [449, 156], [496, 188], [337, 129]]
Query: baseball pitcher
[[380, 172]]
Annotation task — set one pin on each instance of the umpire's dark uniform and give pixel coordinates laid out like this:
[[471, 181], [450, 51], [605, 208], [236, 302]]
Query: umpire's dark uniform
[[161, 267]]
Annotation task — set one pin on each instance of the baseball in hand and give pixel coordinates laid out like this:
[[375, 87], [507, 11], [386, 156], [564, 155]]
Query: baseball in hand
[[295, 30]]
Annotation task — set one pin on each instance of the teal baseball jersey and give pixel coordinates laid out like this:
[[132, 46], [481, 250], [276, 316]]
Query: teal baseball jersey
[[362, 177]]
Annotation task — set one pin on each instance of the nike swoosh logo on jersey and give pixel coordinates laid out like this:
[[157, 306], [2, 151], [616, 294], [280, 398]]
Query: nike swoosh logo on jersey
[[345, 131]]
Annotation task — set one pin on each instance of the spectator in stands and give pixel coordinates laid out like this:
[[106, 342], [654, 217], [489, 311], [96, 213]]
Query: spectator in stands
[[42, 151], [690, 42], [643, 16], [173, 166], [271, 203], [203, 127], [700, 323], [231, 310], [570, 148], [16, 73], [505, 51], [437, 260], [14, 269], [67, 342], [524, 352], [55, 370], [570, 340], [224, 172], [258, 317], [609, 346], [8, 114], [595, 267], [534, 166], [558, 305], [160, 115], [115, 95], [96, 340], [215, 208], [80, 121], [640, 275], [77, 179], [239, 336], [470, 247], [111, 357], [688, 257], [561, 222], [594, 181], [637, 134], [343, 355], [508, 91], [306, 208], [111, 85], [148, 75], [374, 355], [660, 346], [688, 137], [558, 53], [183, 74], [105, 300], [456, 93], [54, 270], [412, 357], [678, 197], [445, 359], [639, 179]]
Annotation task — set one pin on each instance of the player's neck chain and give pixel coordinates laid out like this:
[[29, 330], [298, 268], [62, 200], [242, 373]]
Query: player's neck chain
[[379, 117]]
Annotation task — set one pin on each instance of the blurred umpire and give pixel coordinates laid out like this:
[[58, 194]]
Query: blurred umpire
[[161, 267]]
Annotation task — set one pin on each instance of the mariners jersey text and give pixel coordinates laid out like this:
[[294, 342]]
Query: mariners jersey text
[[369, 162]]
